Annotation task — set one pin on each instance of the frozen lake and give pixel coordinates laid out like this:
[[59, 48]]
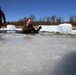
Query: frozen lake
[[41, 54]]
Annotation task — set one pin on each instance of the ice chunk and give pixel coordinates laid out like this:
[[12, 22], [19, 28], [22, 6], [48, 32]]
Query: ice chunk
[[11, 27], [65, 28], [51, 28]]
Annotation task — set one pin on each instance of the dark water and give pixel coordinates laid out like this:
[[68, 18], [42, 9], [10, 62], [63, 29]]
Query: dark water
[[41, 54]]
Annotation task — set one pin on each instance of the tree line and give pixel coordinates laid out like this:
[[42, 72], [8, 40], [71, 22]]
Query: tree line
[[52, 20]]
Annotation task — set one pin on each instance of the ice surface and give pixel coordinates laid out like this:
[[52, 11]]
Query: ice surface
[[41, 54]]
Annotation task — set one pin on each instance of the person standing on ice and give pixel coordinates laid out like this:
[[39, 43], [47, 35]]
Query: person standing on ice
[[2, 15], [28, 28]]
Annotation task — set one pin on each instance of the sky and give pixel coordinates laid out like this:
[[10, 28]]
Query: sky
[[18, 9]]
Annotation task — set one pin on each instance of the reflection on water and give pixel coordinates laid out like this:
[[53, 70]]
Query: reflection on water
[[39, 54]]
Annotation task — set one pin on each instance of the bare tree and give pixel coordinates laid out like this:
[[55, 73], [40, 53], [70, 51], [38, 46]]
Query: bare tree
[[24, 19], [48, 19], [33, 17], [72, 20], [59, 20], [53, 18]]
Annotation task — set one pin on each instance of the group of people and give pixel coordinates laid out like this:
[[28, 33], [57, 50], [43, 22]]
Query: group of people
[[27, 28]]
